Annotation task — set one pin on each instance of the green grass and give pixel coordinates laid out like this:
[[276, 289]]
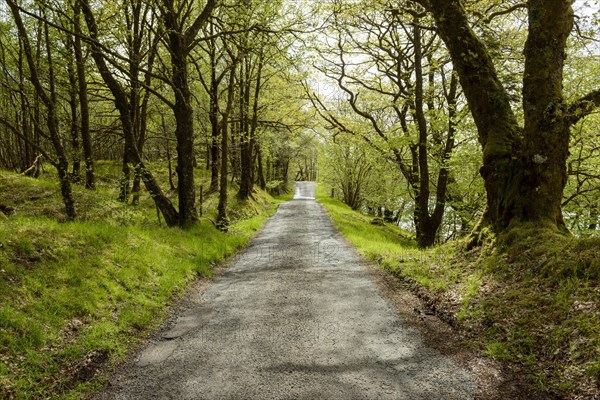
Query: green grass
[[93, 288], [529, 299], [375, 242], [391, 247]]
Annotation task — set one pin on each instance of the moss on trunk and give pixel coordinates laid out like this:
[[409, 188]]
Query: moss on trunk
[[523, 168]]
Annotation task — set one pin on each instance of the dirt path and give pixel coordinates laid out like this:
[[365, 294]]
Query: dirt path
[[295, 316]]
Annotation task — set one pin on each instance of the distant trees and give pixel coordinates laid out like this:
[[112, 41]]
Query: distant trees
[[349, 169]]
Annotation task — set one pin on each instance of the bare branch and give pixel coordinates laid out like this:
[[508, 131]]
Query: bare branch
[[583, 107]]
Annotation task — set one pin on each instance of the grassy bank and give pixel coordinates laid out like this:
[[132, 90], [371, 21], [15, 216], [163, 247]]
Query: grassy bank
[[531, 302], [74, 296]]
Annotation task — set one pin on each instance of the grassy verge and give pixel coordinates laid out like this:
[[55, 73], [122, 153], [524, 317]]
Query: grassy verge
[[74, 296], [531, 301]]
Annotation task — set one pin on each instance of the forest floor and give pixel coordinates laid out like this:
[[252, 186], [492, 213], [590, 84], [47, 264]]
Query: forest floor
[[300, 315]]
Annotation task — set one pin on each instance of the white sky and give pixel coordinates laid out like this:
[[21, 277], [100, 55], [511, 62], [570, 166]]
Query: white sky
[[587, 11]]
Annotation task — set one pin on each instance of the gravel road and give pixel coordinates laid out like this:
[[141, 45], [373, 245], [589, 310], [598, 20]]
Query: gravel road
[[295, 316]]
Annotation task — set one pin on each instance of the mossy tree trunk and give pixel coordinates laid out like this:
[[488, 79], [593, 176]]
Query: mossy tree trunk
[[524, 169], [539, 194]]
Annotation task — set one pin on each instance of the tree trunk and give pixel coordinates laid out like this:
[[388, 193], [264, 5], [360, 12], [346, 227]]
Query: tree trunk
[[235, 153], [213, 117], [523, 170], [261, 175], [184, 117], [427, 224], [126, 176], [53, 126], [214, 145], [136, 187], [170, 167], [285, 172], [83, 101], [245, 141], [25, 126], [185, 147], [74, 126], [593, 221], [537, 192], [222, 219], [75, 142], [423, 222]]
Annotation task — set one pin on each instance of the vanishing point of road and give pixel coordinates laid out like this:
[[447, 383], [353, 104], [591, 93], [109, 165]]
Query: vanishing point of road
[[294, 316]]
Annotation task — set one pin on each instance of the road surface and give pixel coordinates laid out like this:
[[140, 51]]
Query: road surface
[[295, 316]]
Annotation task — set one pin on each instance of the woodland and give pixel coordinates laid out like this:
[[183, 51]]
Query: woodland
[[470, 126], [479, 113]]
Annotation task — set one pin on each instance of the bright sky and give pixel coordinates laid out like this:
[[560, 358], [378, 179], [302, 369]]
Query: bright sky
[[587, 11]]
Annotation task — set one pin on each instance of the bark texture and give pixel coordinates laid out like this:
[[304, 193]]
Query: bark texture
[[524, 169]]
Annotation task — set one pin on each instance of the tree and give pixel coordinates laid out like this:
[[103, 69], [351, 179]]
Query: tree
[[397, 81], [123, 105], [222, 218], [48, 96], [215, 55], [82, 88], [524, 167], [181, 40]]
